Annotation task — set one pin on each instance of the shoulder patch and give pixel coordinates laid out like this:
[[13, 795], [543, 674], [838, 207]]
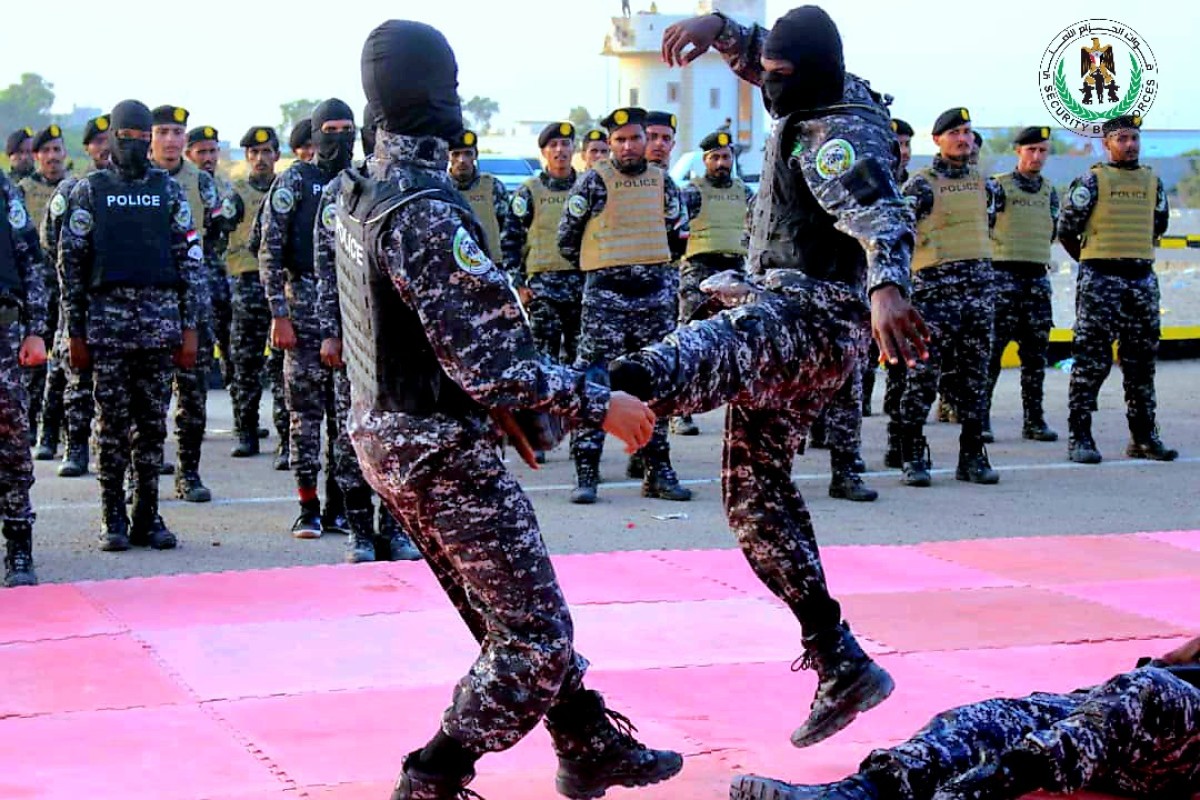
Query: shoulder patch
[[80, 222], [228, 208], [208, 193], [183, 216], [834, 158], [58, 206], [577, 205], [468, 255], [17, 216], [673, 206], [519, 206], [1080, 196], [329, 217], [196, 253], [283, 200]]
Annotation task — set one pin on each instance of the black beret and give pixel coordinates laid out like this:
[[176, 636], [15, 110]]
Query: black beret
[[1117, 123], [467, 140], [301, 134], [95, 126], [45, 136], [259, 135], [1034, 134], [594, 135], [204, 133], [556, 130], [951, 119], [663, 119], [715, 141], [978, 137], [169, 115], [622, 117], [16, 139], [901, 128]]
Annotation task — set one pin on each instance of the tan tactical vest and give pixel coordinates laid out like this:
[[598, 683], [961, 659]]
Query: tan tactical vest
[[1024, 228], [482, 203], [956, 228], [630, 229], [720, 226], [1122, 222], [541, 245], [188, 177], [37, 197], [239, 259]]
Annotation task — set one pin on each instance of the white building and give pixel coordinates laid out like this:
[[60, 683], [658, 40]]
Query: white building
[[703, 95]]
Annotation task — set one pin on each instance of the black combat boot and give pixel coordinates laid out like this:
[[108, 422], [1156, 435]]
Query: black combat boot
[[282, 455], [848, 683], [755, 787], [1035, 429], [75, 461], [1081, 447], [393, 543], [167, 468], [360, 544], [416, 784], [662, 482], [1144, 442], [893, 457], [188, 486], [308, 523], [918, 459], [973, 464], [635, 468], [596, 749], [333, 514], [18, 553], [47, 446], [148, 528], [684, 426], [846, 483], [587, 480], [114, 524], [247, 441]]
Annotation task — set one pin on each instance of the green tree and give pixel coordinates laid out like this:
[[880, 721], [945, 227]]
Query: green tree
[[293, 112], [26, 102], [581, 118], [481, 110]]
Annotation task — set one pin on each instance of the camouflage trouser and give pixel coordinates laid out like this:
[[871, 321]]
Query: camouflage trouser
[[219, 287], [280, 415], [78, 405], [843, 415], [132, 390], [342, 460], [443, 478], [53, 401], [607, 334], [1024, 316], [691, 274], [893, 392], [16, 464], [555, 325], [250, 327], [777, 362], [191, 404], [956, 302], [1137, 735], [1108, 308], [33, 383], [310, 400]]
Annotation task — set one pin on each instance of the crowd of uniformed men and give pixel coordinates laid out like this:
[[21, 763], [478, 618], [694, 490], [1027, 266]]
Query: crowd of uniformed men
[[129, 287]]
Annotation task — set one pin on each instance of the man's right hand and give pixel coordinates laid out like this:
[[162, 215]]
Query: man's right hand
[[699, 32], [897, 327], [283, 335], [78, 353], [630, 420]]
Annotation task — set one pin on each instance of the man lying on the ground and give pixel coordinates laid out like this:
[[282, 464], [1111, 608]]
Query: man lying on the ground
[[1137, 735]]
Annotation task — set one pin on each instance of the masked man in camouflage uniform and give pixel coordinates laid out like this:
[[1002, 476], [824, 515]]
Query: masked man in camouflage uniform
[[485, 193], [131, 268], [411, 268], [1109, 224]]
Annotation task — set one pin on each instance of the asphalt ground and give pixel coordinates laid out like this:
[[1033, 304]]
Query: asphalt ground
[[1040, 493]]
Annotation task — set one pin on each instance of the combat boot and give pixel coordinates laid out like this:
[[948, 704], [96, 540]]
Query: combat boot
[[848, 683], [846, 483], [1081, 447], [360, 544], [333, 515], [415, 784], [308, 523], [755, 787], [1144, 443], [167, 468], [393, 543], [973, 464], [893, 457], [247, 444], [282, 456], [596, 749], [148, 528], [662, 482], [18, 553], [114, 525], [587, 480], [75, 461], [918, 459], [1035, 427], [189, 487], [47, 447], [684, 426], [635, 468]]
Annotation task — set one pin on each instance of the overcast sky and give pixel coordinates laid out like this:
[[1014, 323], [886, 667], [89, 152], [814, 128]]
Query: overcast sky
[[233, 62]]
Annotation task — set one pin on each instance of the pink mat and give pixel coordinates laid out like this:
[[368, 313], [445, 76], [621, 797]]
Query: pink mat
[[314, 682]]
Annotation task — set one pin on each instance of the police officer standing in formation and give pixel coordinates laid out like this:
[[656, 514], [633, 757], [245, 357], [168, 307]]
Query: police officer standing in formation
[[23, 326], [413, 269], [72, 404], [718, 206], [829, 224], [595, 147], [300, 140], [1022, 215], [485, 193], [250, 318], [190, 384], [624, 225], [19, 149], [896, 373], [1109, 224], [952, 287], [50, 156], [132, 274], [286, 262]]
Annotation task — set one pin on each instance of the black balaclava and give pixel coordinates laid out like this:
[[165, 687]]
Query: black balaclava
[[807, 37], [367, 132], [132, 156], [334, 150], [411, 78]]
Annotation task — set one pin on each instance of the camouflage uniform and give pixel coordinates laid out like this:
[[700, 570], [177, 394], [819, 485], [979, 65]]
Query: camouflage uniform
[[23, 306], [226, 218], [280, 417], [250, 318], [695, 269], [1023, 310], [624, 308], [500, 205], [1116, 299], [554, 311], [36, 377], [131, 333], [822, 233]]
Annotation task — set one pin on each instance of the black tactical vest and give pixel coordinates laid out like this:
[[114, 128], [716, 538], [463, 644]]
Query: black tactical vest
[[10, 279], [791, 230], [298, 249], [389, 360], [131, 237]]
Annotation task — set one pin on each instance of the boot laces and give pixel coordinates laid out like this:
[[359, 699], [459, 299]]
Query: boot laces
[[623, 727], [806, 661]]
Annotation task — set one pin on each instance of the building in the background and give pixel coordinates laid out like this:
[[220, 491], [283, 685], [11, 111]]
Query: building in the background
[[705, 96]]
